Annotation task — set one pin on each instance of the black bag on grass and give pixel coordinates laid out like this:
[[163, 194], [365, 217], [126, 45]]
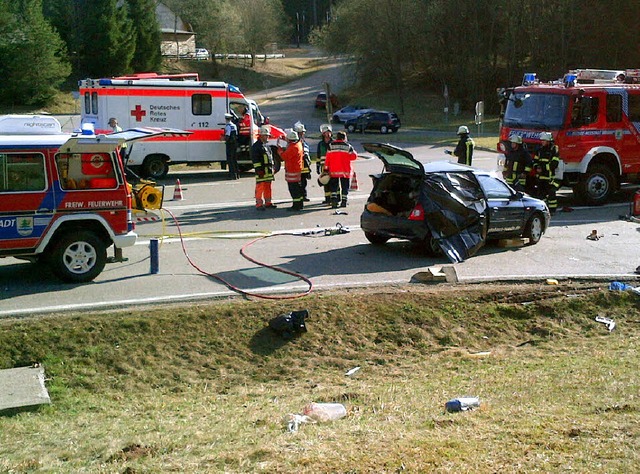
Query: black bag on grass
[[290, 324]]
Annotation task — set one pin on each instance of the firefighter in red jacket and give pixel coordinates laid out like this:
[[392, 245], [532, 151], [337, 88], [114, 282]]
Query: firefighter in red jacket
[[293, 158], [244, 128], [338, 163]]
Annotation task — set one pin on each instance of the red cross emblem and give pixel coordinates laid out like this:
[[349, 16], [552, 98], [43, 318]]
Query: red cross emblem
[[138, 113]]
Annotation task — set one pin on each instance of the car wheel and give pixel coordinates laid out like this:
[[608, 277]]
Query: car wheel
[[351, 128], [78, 257], [376, 239], [384, 129], [431, 247], [155, 167], [596, 186], [534, 229]]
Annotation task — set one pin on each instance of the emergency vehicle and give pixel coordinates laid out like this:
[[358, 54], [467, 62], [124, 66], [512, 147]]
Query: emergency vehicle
[[179, 101], [594, 117], [64, 198]]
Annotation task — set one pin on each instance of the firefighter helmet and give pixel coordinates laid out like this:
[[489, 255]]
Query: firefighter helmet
[[299, 127], [515, 139], [292, 136], [546, 136], [264, 130], [463, 129], [325, 127]]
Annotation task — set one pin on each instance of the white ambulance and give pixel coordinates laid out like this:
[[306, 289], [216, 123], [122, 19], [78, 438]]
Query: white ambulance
[[178, 101]]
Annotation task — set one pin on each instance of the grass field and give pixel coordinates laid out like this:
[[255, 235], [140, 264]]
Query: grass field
[[208, 387]]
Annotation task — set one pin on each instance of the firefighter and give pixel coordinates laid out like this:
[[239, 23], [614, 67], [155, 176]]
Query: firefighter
[[262, 159], [518, 163], [464, 148], [244, 129], [338, 163], [231, 141], [545, 163], [324, 146], [293, 156], [306, 161]]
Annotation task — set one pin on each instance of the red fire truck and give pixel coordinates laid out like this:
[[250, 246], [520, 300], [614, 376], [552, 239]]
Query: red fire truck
[[180, 101], [594, 116], [64, 199]]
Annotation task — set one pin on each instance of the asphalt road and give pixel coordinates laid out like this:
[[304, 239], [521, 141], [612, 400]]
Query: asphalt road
[[217, 219]]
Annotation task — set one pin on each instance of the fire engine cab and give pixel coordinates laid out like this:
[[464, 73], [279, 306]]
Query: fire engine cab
[[594, 116], [179, 101], [64, 198]]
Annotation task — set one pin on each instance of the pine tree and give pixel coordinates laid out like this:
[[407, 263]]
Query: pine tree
[[106, 39], [33, 60], [147, 56]]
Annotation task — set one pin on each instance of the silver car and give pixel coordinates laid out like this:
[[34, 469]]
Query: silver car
[[349, 112]]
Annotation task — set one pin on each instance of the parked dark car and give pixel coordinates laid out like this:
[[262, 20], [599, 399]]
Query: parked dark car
[[321, 100], [445, 206], [381, 121]]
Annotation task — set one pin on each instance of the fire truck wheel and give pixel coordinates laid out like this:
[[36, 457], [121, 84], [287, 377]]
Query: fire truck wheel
[[596, 186], [78, 257], [155, 167], [534, 229]]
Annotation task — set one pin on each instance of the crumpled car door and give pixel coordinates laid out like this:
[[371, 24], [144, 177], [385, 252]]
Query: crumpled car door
[[455, 210]]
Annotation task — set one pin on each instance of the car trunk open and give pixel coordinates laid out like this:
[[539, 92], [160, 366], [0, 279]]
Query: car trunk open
[[450, 199]]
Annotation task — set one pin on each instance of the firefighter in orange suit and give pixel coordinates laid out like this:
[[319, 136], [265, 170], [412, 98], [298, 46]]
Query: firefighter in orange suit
[[262, 159], [338, 163], [293, 159]]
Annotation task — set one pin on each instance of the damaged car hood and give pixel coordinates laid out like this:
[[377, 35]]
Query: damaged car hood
[[455, 211]]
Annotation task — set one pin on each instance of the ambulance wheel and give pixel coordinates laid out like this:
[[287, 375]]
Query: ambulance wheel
[[155, 167], [78, 256], [596, 186]]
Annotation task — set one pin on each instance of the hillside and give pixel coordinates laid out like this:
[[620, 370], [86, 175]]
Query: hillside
[[208, 387]]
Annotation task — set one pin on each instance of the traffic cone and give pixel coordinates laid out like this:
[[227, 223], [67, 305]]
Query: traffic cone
[[354, 182], [177, 191]]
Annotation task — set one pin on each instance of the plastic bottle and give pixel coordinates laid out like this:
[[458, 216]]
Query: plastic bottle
[[323, 412], [462, 404]]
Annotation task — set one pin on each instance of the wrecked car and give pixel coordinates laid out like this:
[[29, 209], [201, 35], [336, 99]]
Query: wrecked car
[[446, 207]]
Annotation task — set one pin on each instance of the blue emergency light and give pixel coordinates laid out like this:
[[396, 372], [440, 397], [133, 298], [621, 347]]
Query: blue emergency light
[[529, 78], [88, 129], [570, 80]]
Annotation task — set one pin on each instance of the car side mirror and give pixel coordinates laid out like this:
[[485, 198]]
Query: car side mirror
[[518, 195]]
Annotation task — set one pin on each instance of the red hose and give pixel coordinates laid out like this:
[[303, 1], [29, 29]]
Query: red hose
[[242, 252]]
